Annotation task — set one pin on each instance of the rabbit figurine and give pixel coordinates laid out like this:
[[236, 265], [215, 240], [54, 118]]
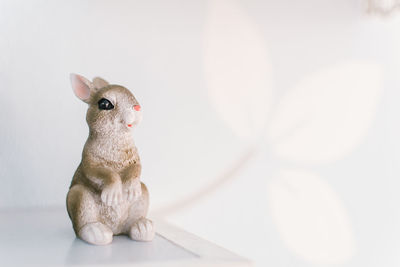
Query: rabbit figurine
[[106, 196]]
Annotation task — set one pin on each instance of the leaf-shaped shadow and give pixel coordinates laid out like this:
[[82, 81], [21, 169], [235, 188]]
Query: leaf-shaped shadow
[[236, 68], [310, 217], [326, 114]]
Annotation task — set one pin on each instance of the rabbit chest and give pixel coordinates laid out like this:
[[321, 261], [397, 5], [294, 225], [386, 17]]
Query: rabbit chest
[[114, 153]]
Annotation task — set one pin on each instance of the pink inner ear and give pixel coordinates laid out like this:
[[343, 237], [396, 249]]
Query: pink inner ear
[[81, 89]]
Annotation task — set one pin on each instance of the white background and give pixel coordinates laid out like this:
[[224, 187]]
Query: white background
[[270, 127]]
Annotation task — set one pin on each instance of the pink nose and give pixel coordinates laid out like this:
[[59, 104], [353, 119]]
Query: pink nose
[[136, 107]]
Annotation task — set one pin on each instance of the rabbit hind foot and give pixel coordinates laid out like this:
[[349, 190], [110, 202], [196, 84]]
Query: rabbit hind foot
[[142, 230], [96, 234]]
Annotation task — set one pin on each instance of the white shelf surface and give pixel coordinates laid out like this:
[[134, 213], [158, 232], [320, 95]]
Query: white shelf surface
[[44, 237]]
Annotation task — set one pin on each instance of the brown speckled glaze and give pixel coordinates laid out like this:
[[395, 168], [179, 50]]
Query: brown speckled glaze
[[106, 196]]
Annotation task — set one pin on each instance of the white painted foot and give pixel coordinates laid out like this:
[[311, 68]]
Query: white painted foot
[[96, 234], [142, 230]]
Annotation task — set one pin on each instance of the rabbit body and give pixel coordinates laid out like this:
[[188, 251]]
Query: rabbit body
[[106, 196]]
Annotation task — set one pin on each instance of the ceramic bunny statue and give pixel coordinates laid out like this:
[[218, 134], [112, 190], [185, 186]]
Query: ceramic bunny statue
[[106, 196]]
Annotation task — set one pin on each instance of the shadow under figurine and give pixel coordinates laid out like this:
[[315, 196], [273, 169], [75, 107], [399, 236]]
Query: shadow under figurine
[[106, 196]]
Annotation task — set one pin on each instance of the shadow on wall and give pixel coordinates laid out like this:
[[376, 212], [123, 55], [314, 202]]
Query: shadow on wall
[[323, 118]]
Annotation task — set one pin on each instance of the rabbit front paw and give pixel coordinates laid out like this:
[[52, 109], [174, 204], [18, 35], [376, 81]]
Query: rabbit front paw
[[133, 189], [112, 194]]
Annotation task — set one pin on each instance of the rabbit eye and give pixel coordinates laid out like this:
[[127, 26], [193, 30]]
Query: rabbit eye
[[105, 104]]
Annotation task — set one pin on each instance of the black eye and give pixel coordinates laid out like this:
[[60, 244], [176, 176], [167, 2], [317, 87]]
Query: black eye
[[105, 104]]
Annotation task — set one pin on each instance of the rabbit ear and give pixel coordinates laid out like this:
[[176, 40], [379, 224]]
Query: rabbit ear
[[81, 87], [99, 83]]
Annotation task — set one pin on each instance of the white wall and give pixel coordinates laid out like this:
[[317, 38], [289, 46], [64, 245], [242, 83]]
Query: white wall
[[270, 127]]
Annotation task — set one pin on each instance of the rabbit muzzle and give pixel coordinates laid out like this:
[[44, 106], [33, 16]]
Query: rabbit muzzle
[[131, 118]]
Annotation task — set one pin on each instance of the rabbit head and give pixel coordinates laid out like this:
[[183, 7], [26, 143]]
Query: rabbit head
[[113, 109]]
